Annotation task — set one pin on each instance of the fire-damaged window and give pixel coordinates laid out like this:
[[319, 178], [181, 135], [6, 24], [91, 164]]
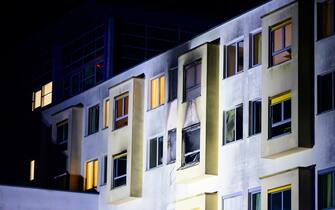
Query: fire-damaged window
[[156, 152], [192, 80], [233, 124], [191, 144], [280, 114], [171, 146]]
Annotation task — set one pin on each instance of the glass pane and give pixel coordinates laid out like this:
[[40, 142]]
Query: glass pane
[[160, 150], [192, 140], [198, 73], [287, 200], [161, 90], [231, 60], [171, 145], [47, 99], [38, 95], [230, 126], [276, 113], [47, 88], [118, 108], [122, 122], [125, 105], [325, 92], [106, 114], [190, 78], [173, 84], [257, 49], [122, 166], [275, 201], [288, 35], [89, 175], [277, 39], [281, 57], [287, 109], [95, 173], [325, 191], [240, 56], [256, 201], [154, 93], [258, 116], [153, 153], [325, 19], [239, 122]]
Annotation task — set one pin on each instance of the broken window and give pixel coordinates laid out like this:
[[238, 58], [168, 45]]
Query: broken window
[[233, 124], [119, 170], [280, 114], [326, 22], [157, 92], [326, 92], [156, 152], [234, 58], [91, 174], [326, 190], [281, 41], [255, 117], [93, 119], [192, 80], [173, 83], [171, 146], [279, 198], [191, 144], [256, 49], [121, 111]]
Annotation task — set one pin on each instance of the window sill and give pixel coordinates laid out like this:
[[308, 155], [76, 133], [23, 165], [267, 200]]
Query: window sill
[[91, 134], [157, 167], [287, 62], [232, 76], [171, 162], [254, 67], [148, 110], [120, 128], [238, 140], [326, 111], [189, 165], [279, 136], [255, 134], [119, 187], [325, 37]]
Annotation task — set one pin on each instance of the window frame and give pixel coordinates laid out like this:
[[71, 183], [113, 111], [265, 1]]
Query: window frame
[[332, 72], [158, 77], [251, 193], [157, 139], [94, 187], [325, 172], [114, 177], [104, 167], [318, 36], [252, 47], [281, 190], [173, 87], [122, 96], [106, 113], [186, 67], [190, 128], [90, 130], [61, 124], [236, 71], [225, 124], [281, 25], [252, 118], [45, 94]]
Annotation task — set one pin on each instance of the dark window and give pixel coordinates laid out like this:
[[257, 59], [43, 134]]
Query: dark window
[[326, 23], [280, 200], [119, 170], [255, 117], [280, 115], [171, 146], [104, 170], [326, 191], [62, 132], [192, 80], [191, 145], [233, 124], [256, 49], [121, 111], [156, 152], [281, 41], [99, 72], [255, 201], [234, 58], [173, 83], [93, 119], [326, 92]]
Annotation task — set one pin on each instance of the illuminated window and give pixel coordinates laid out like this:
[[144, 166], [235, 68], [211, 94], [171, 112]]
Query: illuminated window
[[326, 190], [280, 114], [32, 170], [36, 100], [93, 119], [191, 145], [326, 22], [281, 41], [233, 125], [156, 152], [106, 113], [47, 94], [192, 80], [256, 49], [171, 146], [121, 111], [119, 170], [234, 59], [279, 198], [157, 92], [91, 175]]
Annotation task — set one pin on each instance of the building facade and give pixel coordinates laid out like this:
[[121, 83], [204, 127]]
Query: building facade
[[240, 117]]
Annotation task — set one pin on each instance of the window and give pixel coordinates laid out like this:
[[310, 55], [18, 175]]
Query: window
[[233, 124], [62, 132], [99, 72], [156, 152], [326, 23], [157, 92], [121, 111], [36, 101], [255, 117], [171, 146], [32, 170], [191, 144], [234, 59], [256, 49], [46, 94], [192, 80], [280, 114], [173, 83], [326, 190], [281, 41], [106, 113], [255, 200], [91, 175], [104, 170], [280, 198], [93, 119], [233, 203], [326, 92], [119, 170]]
